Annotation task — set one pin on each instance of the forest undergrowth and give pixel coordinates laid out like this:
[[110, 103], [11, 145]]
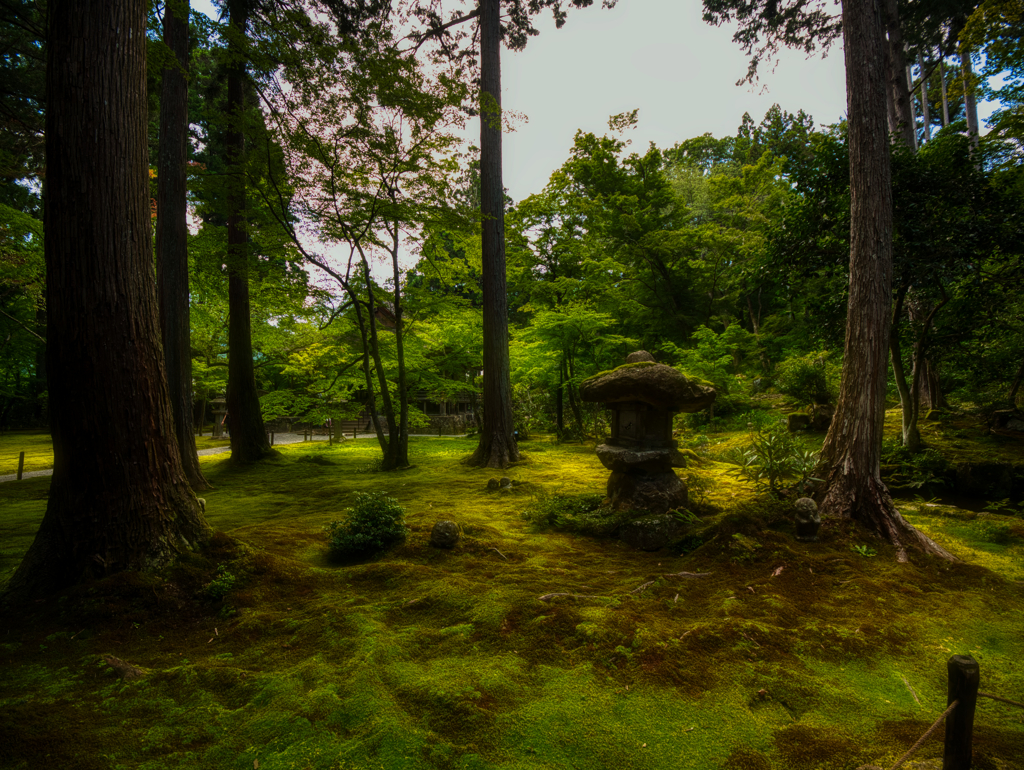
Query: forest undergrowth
[[261, 653]]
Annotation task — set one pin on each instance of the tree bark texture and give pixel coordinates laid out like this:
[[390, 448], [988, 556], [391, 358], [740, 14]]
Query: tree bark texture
[[249, 442], [902, 114], [497, 448], [119, 499], [172, 240], [853, 487]]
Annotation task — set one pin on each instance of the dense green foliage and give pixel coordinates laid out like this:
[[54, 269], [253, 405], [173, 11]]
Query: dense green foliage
[[373, 524]]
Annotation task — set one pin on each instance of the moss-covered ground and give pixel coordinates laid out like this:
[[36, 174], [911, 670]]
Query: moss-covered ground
[[259, 653]]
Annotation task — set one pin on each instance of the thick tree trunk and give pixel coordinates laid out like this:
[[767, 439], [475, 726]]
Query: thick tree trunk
[[119, 499], [497, 448], [902, 111], [853, 487], [172, 240], [249, 441]]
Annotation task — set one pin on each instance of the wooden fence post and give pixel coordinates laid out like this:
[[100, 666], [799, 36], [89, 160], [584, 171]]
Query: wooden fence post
[[21, 465], [964, 678]]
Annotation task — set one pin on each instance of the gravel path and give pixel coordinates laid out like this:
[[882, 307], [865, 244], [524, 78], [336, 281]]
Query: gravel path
[[279, 438]]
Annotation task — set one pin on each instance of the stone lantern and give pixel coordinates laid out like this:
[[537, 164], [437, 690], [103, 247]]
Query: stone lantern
[[220, 408], [642, 396]]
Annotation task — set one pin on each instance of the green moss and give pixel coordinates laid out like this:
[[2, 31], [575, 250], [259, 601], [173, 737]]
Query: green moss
[[635, 365], [787, 655], [37, 446]]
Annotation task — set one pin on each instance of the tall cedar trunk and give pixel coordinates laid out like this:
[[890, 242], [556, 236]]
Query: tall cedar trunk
[[970, 104], [497, 448], [249, 441], [901, 113], [172, 240], [853, 487], [119, 499]]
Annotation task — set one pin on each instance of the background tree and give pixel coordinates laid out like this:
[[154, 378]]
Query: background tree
[[119, 498], [853, 488], [172, 236]]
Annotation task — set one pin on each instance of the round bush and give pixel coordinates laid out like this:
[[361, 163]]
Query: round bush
[[376, 522], [810, 379]]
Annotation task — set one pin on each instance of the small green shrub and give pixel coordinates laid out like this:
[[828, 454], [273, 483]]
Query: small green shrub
[[222, 584], [584, 514], [809, 379], [376, 522], [903, 470], [774, 461]]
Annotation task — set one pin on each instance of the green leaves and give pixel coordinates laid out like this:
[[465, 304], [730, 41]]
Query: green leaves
[[772, 459]]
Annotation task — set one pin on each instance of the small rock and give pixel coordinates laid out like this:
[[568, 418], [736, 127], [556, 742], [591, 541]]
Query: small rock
[[821, 417], [638, 356], [445, 534], [202, 504], [797, 421], [493, 484], [505, 482]]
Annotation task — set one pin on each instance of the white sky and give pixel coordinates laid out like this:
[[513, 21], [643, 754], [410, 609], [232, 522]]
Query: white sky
[[655, 55]]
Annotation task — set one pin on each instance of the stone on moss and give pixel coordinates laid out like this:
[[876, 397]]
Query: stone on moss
[[649, 533], [445, 534]]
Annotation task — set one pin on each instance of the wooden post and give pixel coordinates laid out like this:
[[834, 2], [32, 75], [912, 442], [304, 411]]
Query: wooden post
[[21, 465], [354, 429], [964, 678], [271, 438]]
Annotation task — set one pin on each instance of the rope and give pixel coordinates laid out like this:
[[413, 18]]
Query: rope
[[1002, 700], [925, 737]]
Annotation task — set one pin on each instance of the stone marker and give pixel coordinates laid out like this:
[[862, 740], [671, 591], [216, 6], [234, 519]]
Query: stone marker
[[808, 522], [445, 534], [642, 396]]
